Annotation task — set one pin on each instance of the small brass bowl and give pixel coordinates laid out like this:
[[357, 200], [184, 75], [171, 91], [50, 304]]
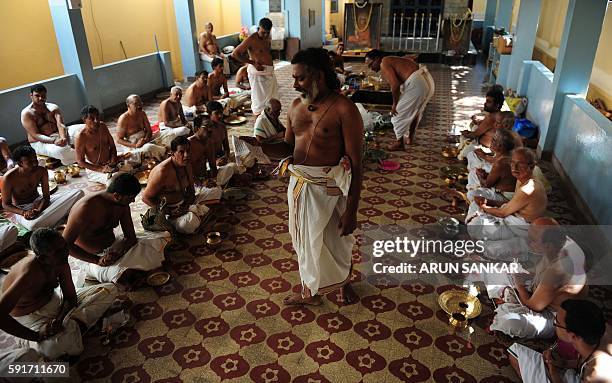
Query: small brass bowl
[[458, 319], [158, 278], [73, 170], [59, 176], [214, 238]]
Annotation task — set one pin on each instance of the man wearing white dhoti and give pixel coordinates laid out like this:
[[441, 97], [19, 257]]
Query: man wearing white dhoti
[[40, 305], [21, 197], [581, 325], [101, 254], [498, 220], [171, 116], [261, 68], [209, 48], [45, 127], [268, 127], [411, 86], [325, 137], [171, 185], [559, 275]]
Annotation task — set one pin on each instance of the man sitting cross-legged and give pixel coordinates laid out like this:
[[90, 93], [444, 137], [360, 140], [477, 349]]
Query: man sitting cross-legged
[[268, 127], [529, 309], [171, 117], [581, 324], [481, 157], [21, 197], [203, 150], [171, 183], [497, 183], [40, 305], [134, 132], [101, 254], [219, 132], [197, 94], [497, 220], [216, 81]]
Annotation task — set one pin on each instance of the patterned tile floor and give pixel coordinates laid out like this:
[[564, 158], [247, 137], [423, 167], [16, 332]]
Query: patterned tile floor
[[221, 316]]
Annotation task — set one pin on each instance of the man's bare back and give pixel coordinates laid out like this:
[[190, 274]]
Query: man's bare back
[[395, 70]]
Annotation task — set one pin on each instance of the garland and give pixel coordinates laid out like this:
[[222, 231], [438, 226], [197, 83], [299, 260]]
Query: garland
[[455, 35], [359, 5], [355, 17]]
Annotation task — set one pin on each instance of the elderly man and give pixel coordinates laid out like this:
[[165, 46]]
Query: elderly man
[[21, 197], [260, 69], [529, 309], [479, 154], [411, 87], [95, 148], [171, 185], [40, 305], [216, 81], [45, 127], [209, 49], [101, 254], [581, 324], [325, 134], [268, 127], [134, 132], [197, 94], [171, 117], [499, 220]]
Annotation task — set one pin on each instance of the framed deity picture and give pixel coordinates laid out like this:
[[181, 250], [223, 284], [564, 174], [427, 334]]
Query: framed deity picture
[[333, 6], [362, 23]]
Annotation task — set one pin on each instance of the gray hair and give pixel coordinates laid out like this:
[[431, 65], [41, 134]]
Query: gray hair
[[131, 99], [528, 154], [268, 103], [175, 89], [42, 241]]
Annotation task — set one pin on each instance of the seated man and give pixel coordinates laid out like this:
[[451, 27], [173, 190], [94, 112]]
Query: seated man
[[411, 86], [480, 158], [45, 127], [171, 184], [203, 150], [95, 148], [485, 128], [219, 133], [581, 324], [216, 80], [40, 305], [528, 312], [497, 220], [268, 127], [171, 117], [21, 197], [102, 255], [242, 78], [134, 132], [209, 48], [197, 95], [498, 182], [6, 160]]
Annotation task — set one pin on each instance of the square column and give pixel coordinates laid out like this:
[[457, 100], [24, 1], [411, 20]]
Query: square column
[[583, 25], [504, 14], [489, 20], [524, 39], [187, 36], [74, 51]]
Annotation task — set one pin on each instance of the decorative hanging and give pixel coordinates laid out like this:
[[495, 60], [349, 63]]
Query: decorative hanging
[[360, 3], [355, 6]]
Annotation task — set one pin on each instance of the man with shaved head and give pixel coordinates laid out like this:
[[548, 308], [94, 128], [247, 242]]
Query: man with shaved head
[[529, 309], [171, 114], [209, 48]]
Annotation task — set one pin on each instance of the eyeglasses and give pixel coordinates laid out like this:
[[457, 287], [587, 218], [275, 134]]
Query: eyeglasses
[[556, 324]]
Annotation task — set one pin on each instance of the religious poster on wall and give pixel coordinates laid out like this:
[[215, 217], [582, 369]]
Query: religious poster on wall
[[362, 23]]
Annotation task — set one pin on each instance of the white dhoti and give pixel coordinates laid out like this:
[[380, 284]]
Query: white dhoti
[[533, 369], [208, 58], [92, 302], [74, 131], [475, 189], [166, 132], [317, 198], [263, 86], [153, 149], [517, 320], [8, 236], [481, 225], [60, 204], [475, 162], [226, 172], [147, 254], [65, 154], [189, 222], [416, 92], [98, 177]]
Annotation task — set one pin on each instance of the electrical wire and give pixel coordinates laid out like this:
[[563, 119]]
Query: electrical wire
[[93, 19]]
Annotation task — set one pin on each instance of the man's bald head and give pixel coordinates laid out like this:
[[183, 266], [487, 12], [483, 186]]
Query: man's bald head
[[273, 107], [131, 99]]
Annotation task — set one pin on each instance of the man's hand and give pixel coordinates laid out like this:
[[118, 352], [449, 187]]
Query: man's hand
[[348, 223], [222, 161], [111, 256], [480, 201], [52, 328], [183, 209], [553, 371], [141, 142], [258, 65], [394, 109], [481, 173], [30, 214], [59, 141], [108, 169]]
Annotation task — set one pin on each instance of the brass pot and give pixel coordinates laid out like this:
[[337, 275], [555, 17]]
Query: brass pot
[[213, 238], [59, 176], [73, 170]]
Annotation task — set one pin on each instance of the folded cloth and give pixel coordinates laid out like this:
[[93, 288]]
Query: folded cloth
[[98, 177], [481, 225], [60, 204], [65, 154], [415, 93], [263, 86], [189, 222], [475, 162], [155, 148], [8, 236], [533, 369]]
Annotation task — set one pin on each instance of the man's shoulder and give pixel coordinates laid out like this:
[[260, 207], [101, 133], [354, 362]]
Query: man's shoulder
[[27, 110]]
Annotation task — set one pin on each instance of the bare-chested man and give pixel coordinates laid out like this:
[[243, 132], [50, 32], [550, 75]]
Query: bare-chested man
[[45, 127], [209, 48], [261, 69], [40, 305], [197, 95], [95, 147], [479, 158], [216, 81], [325, 134], [242, 78], [219, 132], [203, 150], [498, 220], [411, 87], [102, 254], [171, 183], [6, 159], [134, 132], [21, 196], [171, 116]]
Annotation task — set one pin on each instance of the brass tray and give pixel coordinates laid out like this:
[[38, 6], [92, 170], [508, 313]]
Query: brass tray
[[158, 278], [143, 176], [235, 120], [460, 301], [450, 151], [454, 171]]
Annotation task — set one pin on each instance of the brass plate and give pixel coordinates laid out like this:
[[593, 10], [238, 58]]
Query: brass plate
[[450, 151], [454, 301], [214, 238], [235, 120], [454, 171], [158, 278], [234, 194], [143, 176]]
